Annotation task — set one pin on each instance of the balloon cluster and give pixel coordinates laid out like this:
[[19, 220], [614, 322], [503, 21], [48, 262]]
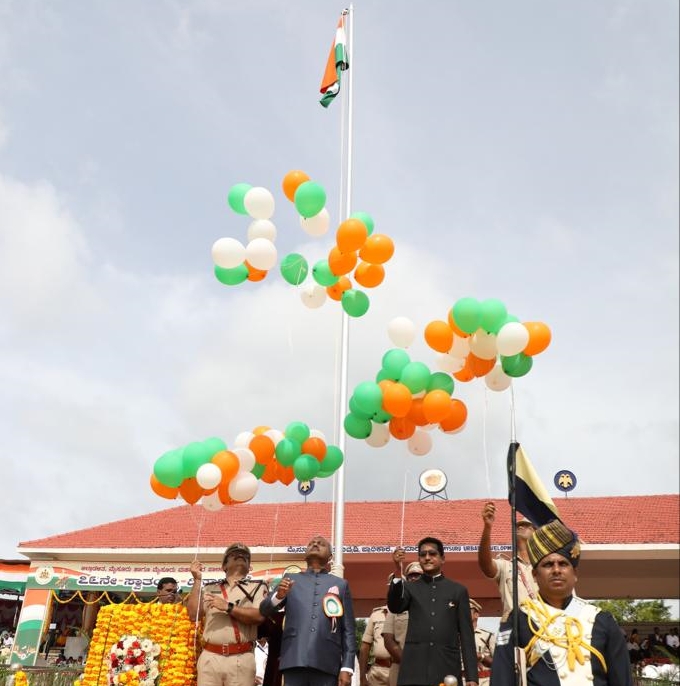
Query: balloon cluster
[[208, 471], [357, 249], [480, 339], [404, 401]]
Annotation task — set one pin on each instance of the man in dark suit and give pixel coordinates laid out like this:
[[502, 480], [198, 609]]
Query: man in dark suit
[[318, 644], [439, 621]]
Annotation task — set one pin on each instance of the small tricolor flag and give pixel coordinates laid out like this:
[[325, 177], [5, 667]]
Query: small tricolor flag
[[337, 63], [531, 497]]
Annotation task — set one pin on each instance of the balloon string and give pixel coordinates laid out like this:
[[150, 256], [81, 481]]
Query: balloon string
[[276, 526], [403, 511], [484, 445], [513, 428]]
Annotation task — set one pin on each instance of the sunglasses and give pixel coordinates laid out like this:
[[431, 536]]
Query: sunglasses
[[428, 553]]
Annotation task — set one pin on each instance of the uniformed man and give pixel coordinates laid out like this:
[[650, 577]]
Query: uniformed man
[[395, 626], [167, 591], [485, 643], [378, 673], [231, 613], [566, 640]]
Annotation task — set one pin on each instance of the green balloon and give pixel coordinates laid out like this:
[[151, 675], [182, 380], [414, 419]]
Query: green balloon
[[287, 451], [195, 454], [467, 313], [355, 409], [382, 417], [214, 445], [323, 275], [298, 431], [517, 365], [368, 397], [493, 314], [236, 195], [309, 199], [508, 319], [441, 381], [415, 376], [385, 374], [258, 470], [294, 268], [306, 467], [332, 460], [366, 219], [357, 427], [169, 468], [394, 361], [233, 276], [354, 302]]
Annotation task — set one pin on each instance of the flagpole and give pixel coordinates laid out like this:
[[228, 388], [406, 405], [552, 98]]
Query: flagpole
[[339, 504]]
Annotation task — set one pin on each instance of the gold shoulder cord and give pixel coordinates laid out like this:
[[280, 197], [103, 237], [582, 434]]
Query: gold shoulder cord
[[540, 621]]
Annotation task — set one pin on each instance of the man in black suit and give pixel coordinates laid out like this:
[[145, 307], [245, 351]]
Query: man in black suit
[[318, 644], [439, 621]]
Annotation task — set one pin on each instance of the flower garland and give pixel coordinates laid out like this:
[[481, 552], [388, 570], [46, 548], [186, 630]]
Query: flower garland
[[133, 660], [20, 679], [166, 625]]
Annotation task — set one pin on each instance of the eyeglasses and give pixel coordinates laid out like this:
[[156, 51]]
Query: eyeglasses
[[416, 575], [428, 553]]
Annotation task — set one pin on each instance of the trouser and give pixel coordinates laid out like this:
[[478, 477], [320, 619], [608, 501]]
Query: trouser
[[226, 670], [306, 676], [378, 676]]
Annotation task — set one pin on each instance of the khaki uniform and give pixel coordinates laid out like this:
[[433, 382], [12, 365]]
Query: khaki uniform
[[485, 643], [220, 629], [378, 674], [396, 625], [526, 586]]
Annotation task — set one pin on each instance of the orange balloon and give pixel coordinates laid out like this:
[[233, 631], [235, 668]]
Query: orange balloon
[[190, 490], [336, 290], [169, 492], [286, 475], [261, 429], [539, 338], [396, 399], [255, 274], [291, 181], [315, 446], [263, 448], [377, 249], [454, 327], [402, 428], [228, 464], [223, 493], [439, 336], [369, 275], [416, 414], [341, 262], [271, 473], [456, 417], [351, 235], [478, 366], [436, 405], [465, 374]]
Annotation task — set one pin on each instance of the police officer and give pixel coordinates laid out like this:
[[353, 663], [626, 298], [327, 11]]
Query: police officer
[[485, 643], [379, 671], [231, 613]]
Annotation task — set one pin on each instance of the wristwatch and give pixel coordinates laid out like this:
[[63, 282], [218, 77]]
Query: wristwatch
[[230, 607]]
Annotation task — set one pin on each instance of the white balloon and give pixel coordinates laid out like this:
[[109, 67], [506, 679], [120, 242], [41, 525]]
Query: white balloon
[[449, 363], [483, 345], [261, 254], [228, 253], [380, 435], [275, 435], [246, 458], [315, 433], [212, 502], [497, 379], [401, 331], [420, 443], [460, 347], [262, 228], [243, 487], [313, 295], [243, 439], [317, 225], [512, 338], [259, 203], [208, 476]]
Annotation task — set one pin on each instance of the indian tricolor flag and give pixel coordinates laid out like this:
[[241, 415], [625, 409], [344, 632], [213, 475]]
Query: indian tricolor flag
[[337, 63]]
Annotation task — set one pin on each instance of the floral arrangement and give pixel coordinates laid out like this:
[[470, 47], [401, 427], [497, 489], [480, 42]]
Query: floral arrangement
[[20, 679], [165, 627], [133, 660]]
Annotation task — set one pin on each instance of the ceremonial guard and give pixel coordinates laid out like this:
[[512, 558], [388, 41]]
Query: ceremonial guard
[[565, 640], [485, 643], [379, 672]]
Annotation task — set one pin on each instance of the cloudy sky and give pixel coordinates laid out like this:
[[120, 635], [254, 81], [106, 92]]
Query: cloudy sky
[[524, 151]]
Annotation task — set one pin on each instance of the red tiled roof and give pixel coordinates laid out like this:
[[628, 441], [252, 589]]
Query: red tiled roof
[[611, 520]]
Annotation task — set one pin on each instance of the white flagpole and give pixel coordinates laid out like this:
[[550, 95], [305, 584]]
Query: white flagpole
[[339, 505]]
